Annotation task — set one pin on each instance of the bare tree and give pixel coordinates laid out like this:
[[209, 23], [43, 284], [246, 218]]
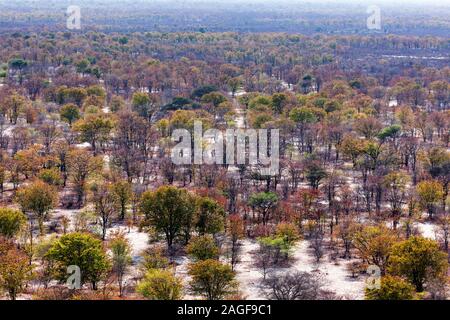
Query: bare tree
[[296, 286], [105, 206], [317, 245]]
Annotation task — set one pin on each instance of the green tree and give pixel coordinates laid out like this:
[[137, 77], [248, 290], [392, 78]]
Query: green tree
[[70, 113], [212, 279], [94, 128], [38, 198], [161, 285], [51, 176], [315, 173], [154, 258], [392, 288], [287, 231], [215, 98], [418, 259], [210, 216], [82, 250], [430, 192], [143, 105], [10, 222], [169, 210], [278, 102], [303, 115], [203, 248], [123, 193], [263, 203]]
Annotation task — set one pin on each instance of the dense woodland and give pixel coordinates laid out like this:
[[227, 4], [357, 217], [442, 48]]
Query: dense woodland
[[86, 177], [341, 17]]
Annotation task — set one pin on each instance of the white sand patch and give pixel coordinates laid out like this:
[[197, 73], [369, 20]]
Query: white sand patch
[[69, 214], [138, 240], [84, 145], [335, 277], [427, 229], [248, 275], [181, 271]]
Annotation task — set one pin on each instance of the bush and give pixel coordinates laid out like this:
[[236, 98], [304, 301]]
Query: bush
[[51, 176], [392, 288], [10, 222], [82, 250], [160, 285], [419, 260], [212, 279], [154, 258], [203, 248], [297, 286]]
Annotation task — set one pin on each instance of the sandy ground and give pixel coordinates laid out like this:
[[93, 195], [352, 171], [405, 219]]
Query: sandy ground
[[334, 276]]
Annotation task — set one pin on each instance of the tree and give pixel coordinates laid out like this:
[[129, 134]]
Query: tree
[[314, 173], [395, 184], [296, 286], [392, 288], [276, 247], [94, 129], [50, 133], [153, 258], [82, 250], [215, 98], [38, 198], [374, 244], [143, 105], [81, 165], [15, 269], [236, 231], [15, 104], [317, 244], [352, 147], [51, 176], [105, 205], [70, 113], [203, 248], [368, 127], [121, 258], [288, 232], [418, 259], [160, 284], [123, 193], [210, 216], [10, 222], [278, 102], [168, 209], [71, 95], [264, 257], [263, 203], [430, 193], [212, 279], [29, 161], [303, 117], [19, 64], [234, 84]]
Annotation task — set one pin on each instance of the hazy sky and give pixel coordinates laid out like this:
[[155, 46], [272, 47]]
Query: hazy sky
[[403, 2], [406, 3]]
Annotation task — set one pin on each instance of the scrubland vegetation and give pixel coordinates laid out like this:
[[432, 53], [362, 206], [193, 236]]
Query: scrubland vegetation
[[86, 177]]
